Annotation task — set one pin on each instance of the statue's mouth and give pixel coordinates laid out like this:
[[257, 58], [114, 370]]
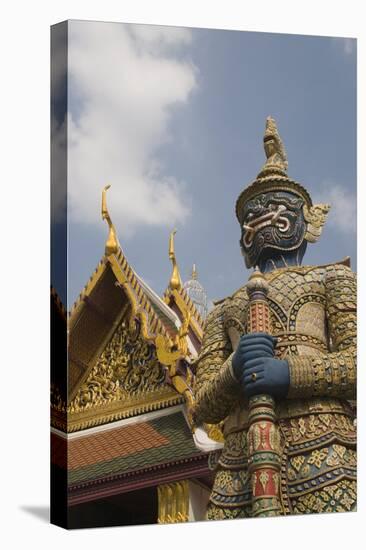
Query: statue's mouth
[[270, 218]]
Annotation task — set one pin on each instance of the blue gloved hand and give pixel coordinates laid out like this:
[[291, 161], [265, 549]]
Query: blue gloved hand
[[266, 375], [256, 368], [251, 346]]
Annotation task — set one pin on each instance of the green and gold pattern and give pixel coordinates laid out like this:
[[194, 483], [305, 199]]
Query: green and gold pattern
[[340, 497]]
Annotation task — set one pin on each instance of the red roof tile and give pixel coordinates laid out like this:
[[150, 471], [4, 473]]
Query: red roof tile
[[111, 444]]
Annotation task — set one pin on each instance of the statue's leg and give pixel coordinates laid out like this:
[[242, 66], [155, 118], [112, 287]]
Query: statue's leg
[[215, 512], [321, 464], [339, 497], [231, 493]]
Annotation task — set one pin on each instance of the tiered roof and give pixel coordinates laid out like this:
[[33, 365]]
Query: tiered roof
[[124, 420]]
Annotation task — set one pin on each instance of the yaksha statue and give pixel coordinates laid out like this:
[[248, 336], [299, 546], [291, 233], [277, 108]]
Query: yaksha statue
[[302, 370]]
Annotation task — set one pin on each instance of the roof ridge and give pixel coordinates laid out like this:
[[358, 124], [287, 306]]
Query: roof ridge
[[142, 300], [160, 301], [187, 300], [191, 305], [86, 288]]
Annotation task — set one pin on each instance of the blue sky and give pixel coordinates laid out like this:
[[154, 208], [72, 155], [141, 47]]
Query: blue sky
[[173, 119]]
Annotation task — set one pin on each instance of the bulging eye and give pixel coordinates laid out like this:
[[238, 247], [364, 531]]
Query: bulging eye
[[250, 215]]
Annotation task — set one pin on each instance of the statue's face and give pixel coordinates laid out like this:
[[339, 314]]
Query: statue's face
[[272, 222]]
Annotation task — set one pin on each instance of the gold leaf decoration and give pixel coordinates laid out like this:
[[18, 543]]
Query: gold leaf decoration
[[315, 217], [128, 365]]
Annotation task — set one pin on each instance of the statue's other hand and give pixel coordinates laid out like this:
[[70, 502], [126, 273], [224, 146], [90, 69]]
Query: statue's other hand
[[251, 346], [266, 375]]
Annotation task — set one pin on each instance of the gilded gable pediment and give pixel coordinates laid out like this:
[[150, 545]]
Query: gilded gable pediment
[[126, 380]]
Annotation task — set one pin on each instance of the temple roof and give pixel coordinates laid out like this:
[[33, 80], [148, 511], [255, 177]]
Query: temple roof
[[163, 444], [129, 351], [113, 287], [115, 294], [128, 448], [185, 305], [176, 296], [155, 315]]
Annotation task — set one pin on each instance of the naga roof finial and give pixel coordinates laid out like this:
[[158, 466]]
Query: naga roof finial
[[112, 245], [175, 282]]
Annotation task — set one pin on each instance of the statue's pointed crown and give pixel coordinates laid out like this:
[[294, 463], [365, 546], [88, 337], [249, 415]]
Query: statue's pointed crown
[[273, 175]]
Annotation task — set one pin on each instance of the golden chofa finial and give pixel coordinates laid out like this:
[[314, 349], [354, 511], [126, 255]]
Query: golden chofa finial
[[112, 244], [175, 280], [194, 272], [274, 149]]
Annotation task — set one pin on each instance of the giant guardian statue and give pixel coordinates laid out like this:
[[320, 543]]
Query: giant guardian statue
[[277, 367]]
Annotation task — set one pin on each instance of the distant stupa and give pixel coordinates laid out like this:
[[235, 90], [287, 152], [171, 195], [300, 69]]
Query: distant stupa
[[197, 293]]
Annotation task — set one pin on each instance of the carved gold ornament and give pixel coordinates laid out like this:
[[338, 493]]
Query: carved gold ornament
[[173, 502], [214, 432], [264, 478], [175, 279], [127, 379], [128, 365], [274, 148], [315, 217], [112, 244]]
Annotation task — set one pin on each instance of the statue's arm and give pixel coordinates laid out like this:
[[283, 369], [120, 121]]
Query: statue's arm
[[334, 374], [216, 390]]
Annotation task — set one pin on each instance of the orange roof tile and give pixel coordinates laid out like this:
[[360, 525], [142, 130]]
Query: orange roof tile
[[111, 444]]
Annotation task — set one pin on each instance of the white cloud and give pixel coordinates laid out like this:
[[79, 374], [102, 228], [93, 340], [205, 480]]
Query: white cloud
[[342, 215], [348, 45], [156, 36], [125, 81]]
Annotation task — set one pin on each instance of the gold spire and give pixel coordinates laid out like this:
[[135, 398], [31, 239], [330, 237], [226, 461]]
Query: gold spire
[[194, 272], [175, 280], [112, 244], [273, 177], [274, 150]]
